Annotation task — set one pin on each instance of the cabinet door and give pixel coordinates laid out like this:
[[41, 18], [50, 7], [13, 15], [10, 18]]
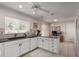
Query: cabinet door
[[1, 50], [33, 43], [46, 44], [40, 42], [25, 45], [53, 46], [12, 50]]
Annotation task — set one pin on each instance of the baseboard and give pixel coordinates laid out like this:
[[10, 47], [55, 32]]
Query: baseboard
[[47, 50], [28, 52]]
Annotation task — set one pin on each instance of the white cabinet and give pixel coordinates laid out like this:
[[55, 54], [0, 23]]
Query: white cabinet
[[43, 43], [17, 48], [12, 50], [50, 44], [54, 45], [1, 50], [46, 43], [24, 46], [40, 42], [33, 43]]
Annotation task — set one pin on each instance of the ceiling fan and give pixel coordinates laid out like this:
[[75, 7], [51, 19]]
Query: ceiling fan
[[36, 6]]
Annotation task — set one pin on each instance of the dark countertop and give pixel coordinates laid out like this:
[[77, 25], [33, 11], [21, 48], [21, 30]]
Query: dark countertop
[[19, 38]]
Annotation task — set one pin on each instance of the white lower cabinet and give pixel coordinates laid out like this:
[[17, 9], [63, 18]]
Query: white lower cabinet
[[24, 46], [40, 42], [46, 43], [12, 50], [54, 45], [1, 50], [50, 44], [16, 48], [19, 47], [33, 43], [43, 43]]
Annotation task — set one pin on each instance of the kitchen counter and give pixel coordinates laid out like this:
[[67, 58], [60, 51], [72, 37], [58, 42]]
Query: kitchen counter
[[19, 38], [12, 39], [50, 36]]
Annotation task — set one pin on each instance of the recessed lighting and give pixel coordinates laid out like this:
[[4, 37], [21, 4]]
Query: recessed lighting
[[20, 6], [55, 20], [34, 12]]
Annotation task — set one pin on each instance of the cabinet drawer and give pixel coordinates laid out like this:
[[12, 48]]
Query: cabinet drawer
[[24, 40]]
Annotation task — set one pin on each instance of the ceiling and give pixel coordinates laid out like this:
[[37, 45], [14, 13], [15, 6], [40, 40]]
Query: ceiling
[[61, 10]]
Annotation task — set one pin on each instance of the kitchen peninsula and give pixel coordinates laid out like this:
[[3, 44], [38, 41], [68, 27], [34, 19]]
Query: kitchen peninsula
[[21, 44]]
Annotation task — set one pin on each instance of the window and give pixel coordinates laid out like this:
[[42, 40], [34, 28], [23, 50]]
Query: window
[[13, 25]]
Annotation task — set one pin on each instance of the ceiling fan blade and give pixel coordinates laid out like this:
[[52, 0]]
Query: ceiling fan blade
[[36, 5], [44, 10]]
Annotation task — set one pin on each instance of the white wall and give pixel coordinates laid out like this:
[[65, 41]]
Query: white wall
[[45, 29], [14, 14], [68, 29]]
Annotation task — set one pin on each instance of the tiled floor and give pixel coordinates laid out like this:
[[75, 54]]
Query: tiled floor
[[41, 53], [66, 49]]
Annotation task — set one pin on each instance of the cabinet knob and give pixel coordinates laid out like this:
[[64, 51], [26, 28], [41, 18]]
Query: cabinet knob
[[42, 40], [20, 44]]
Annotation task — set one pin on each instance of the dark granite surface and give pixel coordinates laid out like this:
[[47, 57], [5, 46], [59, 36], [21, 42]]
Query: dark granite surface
[[19, 38]]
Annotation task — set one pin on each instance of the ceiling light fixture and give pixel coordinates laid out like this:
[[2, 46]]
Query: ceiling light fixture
[[20, 6], [35, 11], [55, 20]]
